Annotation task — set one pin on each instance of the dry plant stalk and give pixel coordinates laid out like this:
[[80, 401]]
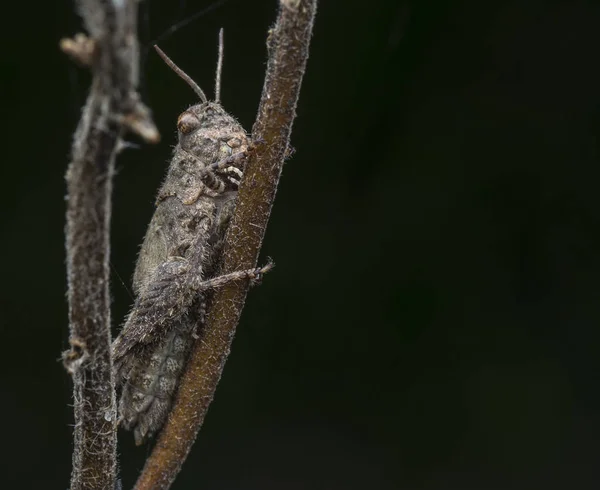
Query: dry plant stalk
[[112, 106], [288, 45]]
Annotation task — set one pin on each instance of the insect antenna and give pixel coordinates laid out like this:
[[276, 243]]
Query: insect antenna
[[186, 78], [219, 69]]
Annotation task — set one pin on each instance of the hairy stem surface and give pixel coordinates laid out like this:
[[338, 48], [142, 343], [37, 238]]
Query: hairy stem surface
[[112, 106]]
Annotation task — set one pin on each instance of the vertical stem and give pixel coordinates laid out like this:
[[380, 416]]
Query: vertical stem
[[88, 217], [112, 106]]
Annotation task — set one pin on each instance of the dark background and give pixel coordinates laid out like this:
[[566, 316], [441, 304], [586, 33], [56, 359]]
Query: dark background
[[433, 320]]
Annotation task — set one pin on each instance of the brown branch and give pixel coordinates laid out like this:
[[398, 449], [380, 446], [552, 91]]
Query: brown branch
[[112, 106], [288, 52]]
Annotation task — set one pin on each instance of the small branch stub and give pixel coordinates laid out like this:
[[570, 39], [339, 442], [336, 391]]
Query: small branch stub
[[81, 49]]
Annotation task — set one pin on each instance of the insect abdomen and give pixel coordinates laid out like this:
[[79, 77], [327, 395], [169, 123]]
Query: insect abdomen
[[148, 391]]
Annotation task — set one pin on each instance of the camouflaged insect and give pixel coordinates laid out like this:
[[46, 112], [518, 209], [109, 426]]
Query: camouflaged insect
[[177, 260]]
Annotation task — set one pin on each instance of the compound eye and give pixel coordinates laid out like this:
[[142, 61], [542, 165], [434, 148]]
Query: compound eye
[[187, 122]]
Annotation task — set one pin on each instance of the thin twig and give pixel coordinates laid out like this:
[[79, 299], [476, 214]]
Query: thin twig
[[288, 44], [112, 105]]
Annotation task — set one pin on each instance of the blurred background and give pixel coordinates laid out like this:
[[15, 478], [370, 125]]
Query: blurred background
[[433, 319]]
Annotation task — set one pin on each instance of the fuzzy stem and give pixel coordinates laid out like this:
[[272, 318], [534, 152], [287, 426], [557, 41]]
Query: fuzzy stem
[[288, 45], [112, 105]]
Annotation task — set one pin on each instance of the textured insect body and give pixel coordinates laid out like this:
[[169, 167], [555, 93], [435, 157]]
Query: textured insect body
[[180, 252]]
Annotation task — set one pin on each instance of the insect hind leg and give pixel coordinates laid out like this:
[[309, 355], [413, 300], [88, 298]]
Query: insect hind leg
[[254, 275]]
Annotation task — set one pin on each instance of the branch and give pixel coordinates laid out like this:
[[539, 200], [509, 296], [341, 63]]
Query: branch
[[112, 106], [288, 45]]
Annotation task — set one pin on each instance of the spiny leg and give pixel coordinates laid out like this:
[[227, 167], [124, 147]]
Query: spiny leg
[[226, 168], [212, 175], [254, 275]]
